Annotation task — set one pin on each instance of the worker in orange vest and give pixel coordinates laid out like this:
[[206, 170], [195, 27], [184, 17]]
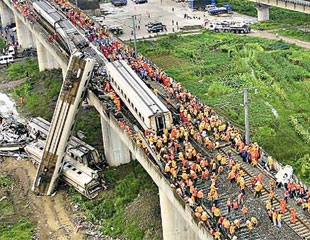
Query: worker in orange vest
[[293, 215], [117, 102], [22, 100], [282, 205], [244, 211], [107, 86], [229, 204], [235, 205]]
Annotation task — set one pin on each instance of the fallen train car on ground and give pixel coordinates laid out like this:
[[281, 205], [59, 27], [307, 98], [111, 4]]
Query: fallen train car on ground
[[77, 149], [82, 178]]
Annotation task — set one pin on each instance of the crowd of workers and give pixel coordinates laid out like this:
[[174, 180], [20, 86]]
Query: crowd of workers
[[184, 164]]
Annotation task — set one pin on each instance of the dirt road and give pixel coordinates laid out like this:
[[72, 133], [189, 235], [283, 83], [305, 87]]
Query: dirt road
[[51, 214], [269, 35]]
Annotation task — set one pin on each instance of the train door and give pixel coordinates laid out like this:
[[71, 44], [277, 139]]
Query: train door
[[160, 123]]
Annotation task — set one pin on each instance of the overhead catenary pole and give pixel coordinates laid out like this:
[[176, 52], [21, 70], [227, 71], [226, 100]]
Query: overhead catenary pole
[[246, 116], [134, 34]]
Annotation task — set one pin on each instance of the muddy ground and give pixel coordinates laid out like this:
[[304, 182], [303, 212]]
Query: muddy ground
[[51, 215]]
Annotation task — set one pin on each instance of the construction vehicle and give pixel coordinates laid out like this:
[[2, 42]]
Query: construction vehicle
[[229, 27]]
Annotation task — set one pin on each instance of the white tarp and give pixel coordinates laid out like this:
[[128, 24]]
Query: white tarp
[[285, 170]]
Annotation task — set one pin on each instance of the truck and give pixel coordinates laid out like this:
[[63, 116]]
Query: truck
[[229, 27], [219, 10], [119, 2], [198, 4]]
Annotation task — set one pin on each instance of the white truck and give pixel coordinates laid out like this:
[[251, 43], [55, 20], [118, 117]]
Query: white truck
[[229, 27]]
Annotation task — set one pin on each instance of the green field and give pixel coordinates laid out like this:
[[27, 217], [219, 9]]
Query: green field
[[217, 67], [129, 208], [279, 17]]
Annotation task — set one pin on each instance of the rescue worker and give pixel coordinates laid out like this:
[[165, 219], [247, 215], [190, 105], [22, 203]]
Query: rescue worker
[[293, 215], [229, 204], [244, 211], [282, 205]]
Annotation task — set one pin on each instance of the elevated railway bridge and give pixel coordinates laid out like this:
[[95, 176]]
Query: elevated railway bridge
[[262, 7], [124, 140]]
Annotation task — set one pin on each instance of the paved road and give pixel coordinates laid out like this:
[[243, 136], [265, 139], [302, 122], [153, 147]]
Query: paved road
[[164, 11]]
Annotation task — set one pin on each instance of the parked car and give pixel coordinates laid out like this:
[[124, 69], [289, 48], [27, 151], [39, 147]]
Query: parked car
[[140, 1], [155, 27], [29, 52], [6, 59], [117, 30]]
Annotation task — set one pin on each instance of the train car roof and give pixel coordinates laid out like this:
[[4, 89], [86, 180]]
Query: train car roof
[[50, 10], [133, 86]]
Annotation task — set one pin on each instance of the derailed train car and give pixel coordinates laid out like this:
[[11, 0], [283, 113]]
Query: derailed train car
[[82, 178], [78, 150], [57, 22]]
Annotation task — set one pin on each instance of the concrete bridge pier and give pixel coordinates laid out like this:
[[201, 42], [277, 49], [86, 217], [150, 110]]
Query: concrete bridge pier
[[24, 35], [262, 12], [7, 16], [174, 225], [115, 150], [46, 59]]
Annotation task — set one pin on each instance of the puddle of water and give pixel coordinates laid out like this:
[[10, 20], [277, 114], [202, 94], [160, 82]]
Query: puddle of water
[[6, 105]]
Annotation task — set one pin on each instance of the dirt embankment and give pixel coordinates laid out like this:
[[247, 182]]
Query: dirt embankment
[[50, 214]]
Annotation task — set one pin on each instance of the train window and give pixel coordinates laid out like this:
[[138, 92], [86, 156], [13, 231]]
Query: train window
[[140, 115], [88, 73], [136, 109], [85, 83], [129, 100], [69, 166], [132, 104], [73, 169], [122, 92], [79, 172]]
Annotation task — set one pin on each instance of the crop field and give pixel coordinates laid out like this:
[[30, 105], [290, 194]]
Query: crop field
[[279, 17], [217, 67]]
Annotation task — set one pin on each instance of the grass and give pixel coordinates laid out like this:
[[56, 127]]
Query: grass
[[20, 70], [216, 67], [40, 91], [14, 224], [127, 208], [278, 17], [294, 33], [88, 121], [21, 230]]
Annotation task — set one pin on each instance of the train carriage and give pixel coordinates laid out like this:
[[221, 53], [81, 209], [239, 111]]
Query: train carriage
[[82, 178], [149, 111], [82, 152], [59, 23]]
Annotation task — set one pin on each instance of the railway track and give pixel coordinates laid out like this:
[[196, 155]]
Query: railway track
[[301, 227]]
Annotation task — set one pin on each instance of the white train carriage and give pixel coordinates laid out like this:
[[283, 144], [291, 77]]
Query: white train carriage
[[82, 152], [61, 25], [149, 111], [82, 178]]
